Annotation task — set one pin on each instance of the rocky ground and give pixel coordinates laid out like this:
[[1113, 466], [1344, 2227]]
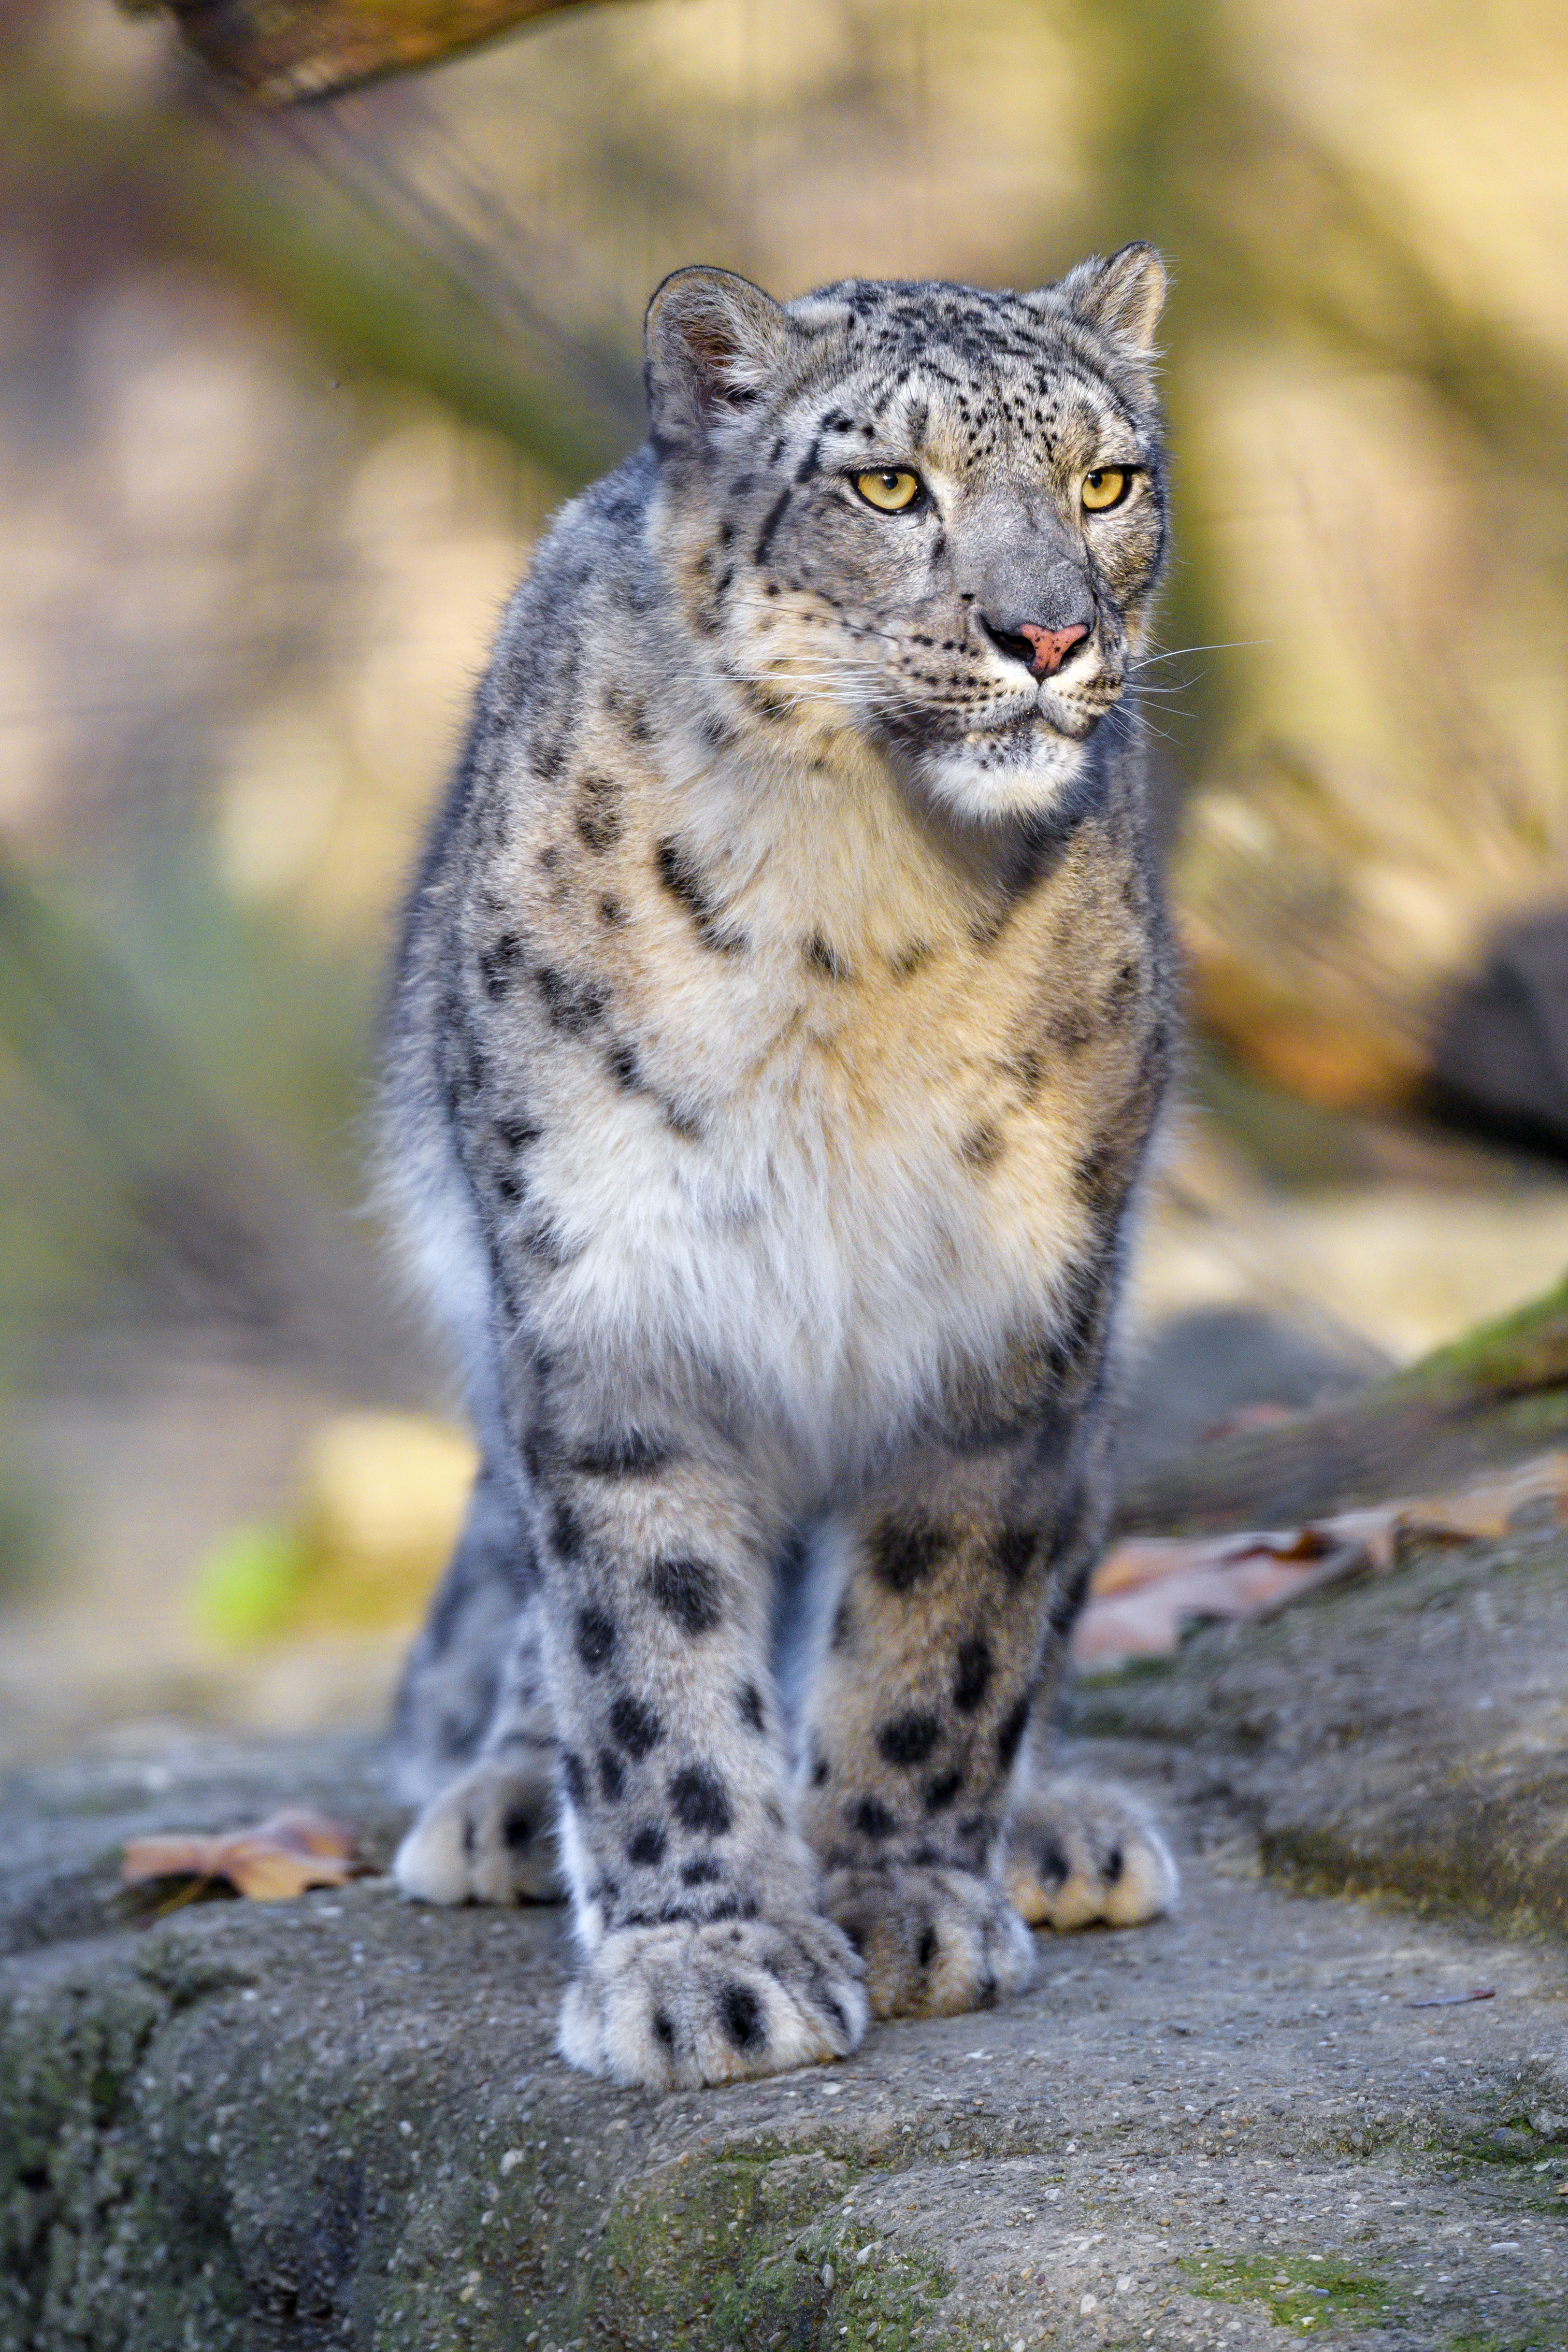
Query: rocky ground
[[339, 2121]]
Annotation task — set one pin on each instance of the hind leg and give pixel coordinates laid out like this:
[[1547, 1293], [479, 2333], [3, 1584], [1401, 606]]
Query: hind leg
[[473, 1730], [1078, 1852]]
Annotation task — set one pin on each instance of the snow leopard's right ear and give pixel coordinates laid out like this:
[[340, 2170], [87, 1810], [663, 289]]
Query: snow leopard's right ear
[[713, 339]]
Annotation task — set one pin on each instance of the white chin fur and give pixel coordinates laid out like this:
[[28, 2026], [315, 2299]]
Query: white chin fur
[[965, 781]]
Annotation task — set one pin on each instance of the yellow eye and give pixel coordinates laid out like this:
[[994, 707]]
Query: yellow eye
[[889, 491], [1105, 488]]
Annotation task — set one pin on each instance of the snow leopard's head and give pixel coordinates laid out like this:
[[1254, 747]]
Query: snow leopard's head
[[935, 512]]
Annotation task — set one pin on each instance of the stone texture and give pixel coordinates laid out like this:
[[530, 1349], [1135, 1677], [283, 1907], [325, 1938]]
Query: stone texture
[[339, 2121], [1409, 1734]]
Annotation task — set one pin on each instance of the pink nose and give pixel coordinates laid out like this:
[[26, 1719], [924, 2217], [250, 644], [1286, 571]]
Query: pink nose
[[1052, 646]]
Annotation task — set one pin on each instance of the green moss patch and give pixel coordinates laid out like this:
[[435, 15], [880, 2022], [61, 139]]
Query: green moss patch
[[734, 2257], [1299, 2293]]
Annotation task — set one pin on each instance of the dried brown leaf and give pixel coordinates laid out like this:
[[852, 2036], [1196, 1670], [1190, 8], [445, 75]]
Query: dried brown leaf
[[276, 1860], [1145, 1590]]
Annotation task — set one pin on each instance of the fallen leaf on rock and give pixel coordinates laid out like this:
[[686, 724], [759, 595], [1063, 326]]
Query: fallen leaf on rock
[[1145, 1590], [277, 1860]]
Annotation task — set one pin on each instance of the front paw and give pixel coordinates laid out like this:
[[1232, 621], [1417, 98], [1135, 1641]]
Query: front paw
[[1076, 1855], [488, 1838], [673, 2007], [935, 1942]]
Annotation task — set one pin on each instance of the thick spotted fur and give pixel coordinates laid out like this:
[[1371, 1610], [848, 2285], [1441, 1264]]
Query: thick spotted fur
[[782, 1020]]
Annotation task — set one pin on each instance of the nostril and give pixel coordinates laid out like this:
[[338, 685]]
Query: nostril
[[1008, 642]]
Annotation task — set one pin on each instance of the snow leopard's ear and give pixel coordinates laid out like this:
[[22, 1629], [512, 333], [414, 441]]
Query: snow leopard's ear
[[1121, 299], [713, 339]]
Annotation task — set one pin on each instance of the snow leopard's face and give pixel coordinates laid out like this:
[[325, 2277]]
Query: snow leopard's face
[[937, 512]]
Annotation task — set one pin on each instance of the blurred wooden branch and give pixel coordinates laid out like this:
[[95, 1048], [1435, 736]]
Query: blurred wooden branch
[[279, 52], [238, 197], [1493, 1396]]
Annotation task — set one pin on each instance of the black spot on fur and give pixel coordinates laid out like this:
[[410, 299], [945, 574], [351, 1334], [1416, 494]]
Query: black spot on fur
[[700, 1800], [819, 1772], [748, 1705], [735, 1906], [574, 1777], [572, 1005], [625, 1067], [926, 1949], [684, 880], [625, 1453], [971, 1679], [611, 912], [1011, 1732], [688, 1591], [940, 1792], [872, 1818], [908, 1739], [1115, 1863], [904, 1551], [517, 1830], [843, 1626], [1031, 1067], [612, 1775], [498, 962], [645, 1846], [909, 961], [982, 1147], [771, 521], [701, 1870], [822, 957], [635, 1726], [1013, 1551], [517, 1134], [566, 1534], [595, 1637], [599, 812], [663, 2031], [741, 2014]]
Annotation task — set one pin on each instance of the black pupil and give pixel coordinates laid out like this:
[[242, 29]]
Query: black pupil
[[892, 481], [1095, 480]]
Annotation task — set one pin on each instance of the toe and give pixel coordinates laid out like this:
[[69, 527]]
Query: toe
[[935, 1942], [671, 2008], [1078, 1855]]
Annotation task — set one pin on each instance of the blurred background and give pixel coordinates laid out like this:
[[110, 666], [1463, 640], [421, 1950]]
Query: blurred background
[[284, 401]]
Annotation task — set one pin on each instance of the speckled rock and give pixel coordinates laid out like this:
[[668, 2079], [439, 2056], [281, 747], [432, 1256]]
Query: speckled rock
[[340, 2122]]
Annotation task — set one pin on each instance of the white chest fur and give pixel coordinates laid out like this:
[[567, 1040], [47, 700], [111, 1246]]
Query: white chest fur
[[868, 1198]]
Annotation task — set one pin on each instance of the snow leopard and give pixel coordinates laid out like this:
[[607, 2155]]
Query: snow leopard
[[782, 1019]]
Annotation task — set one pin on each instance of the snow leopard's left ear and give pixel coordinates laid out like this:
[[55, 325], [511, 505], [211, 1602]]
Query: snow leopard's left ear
[[1121, 299], [713, 339]]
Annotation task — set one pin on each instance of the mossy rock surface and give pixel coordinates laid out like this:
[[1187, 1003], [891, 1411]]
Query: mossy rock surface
[[340, 2122]]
